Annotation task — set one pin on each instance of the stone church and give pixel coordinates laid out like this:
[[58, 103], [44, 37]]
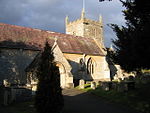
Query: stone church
[[79, 54]]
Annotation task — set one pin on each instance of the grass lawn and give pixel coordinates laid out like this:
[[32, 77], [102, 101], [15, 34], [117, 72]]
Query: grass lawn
[[138, 99], [24, 107]]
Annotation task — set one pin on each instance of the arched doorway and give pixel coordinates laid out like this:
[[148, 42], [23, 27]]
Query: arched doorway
[[62, 72]]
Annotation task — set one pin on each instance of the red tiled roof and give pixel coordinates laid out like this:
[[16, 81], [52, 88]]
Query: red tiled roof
[[13, 36]]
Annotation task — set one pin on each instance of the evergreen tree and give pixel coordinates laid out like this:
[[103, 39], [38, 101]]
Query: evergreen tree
[[132, 43], [49, 97]]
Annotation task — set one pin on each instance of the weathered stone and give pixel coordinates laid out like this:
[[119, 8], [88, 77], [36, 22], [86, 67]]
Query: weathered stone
[[81, 84], [106, 86], [70, 85], [114, 85], [13, 94], [14, 63], [130, 85], [81, 27], [5, 98], [6, 83], [121, 87], [93, 85], [99, 83]]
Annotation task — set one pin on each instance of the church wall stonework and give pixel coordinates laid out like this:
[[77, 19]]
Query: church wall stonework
[[66, 77], [13, 64], [74, 60], [75, 28], [101, 70], [86, 28]]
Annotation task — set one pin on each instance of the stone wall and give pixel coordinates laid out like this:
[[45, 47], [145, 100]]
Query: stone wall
[[86, 28], [8, 95], [75, 28], [66, 77], [13, 63], [101, 69]]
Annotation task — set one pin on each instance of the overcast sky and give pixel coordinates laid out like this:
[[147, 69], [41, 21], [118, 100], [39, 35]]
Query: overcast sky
[[50, 14]]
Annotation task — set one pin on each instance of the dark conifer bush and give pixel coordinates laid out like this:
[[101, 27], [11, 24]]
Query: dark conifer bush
[[49, 97]]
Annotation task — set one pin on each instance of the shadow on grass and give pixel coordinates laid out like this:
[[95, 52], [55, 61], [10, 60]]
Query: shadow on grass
[[137, 99], [79, 101], [22, 107]]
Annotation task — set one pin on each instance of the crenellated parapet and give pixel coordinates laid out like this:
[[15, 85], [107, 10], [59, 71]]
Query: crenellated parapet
[[86, 27], [84, 21]]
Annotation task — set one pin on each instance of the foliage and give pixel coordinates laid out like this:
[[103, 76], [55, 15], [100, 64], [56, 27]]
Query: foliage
[[132, 43], [49, 97]]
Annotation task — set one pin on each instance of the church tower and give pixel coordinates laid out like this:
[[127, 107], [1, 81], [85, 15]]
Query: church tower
[[86, 28]]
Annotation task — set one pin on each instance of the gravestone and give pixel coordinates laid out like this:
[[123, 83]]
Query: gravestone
[[114, 85], [6, 83], [13, 94], [106, 86], [81, 84], [122, 86], [6, 96], [130, 85], [93, 85], [99, 83]]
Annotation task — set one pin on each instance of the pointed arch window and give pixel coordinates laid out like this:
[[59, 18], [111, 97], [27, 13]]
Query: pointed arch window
[[90, 66]]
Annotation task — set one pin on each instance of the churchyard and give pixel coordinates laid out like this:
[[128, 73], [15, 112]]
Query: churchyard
[[133, 93], [22, 107]]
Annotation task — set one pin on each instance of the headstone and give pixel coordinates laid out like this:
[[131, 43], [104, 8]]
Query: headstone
[[81, 84], [5, 98], [99, 83], [121, 87], [107, 86], [6, 83], [131, 78], [114, 85], [13, 94], [131, 85], [93, 85]]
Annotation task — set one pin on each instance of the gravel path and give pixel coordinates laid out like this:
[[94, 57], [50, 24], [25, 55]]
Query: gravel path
[[77, 101]]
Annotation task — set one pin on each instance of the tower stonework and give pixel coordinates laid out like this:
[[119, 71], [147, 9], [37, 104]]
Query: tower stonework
[[86, 28]]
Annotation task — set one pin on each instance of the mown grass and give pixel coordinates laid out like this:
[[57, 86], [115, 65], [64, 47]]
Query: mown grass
[[138, 99]]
